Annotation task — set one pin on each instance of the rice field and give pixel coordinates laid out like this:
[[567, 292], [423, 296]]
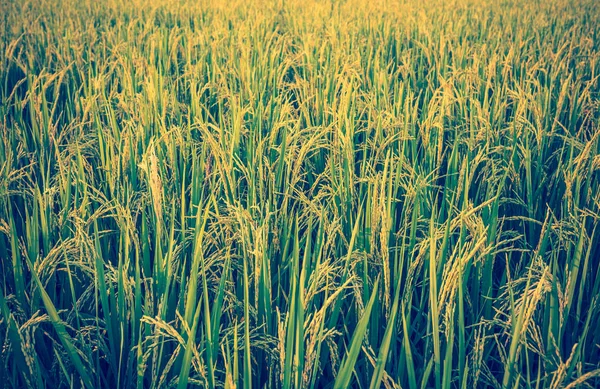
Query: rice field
[[300, 194]]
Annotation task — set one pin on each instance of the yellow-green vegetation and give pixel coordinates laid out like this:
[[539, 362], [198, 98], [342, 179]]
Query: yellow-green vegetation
[[300, 194]]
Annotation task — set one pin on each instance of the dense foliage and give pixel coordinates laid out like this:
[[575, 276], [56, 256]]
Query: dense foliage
[[300, 194]]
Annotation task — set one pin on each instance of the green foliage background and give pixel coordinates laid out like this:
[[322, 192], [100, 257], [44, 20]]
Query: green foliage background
[[306, 194]]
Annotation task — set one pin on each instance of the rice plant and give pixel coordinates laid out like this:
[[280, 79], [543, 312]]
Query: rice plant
[[300, 194]]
